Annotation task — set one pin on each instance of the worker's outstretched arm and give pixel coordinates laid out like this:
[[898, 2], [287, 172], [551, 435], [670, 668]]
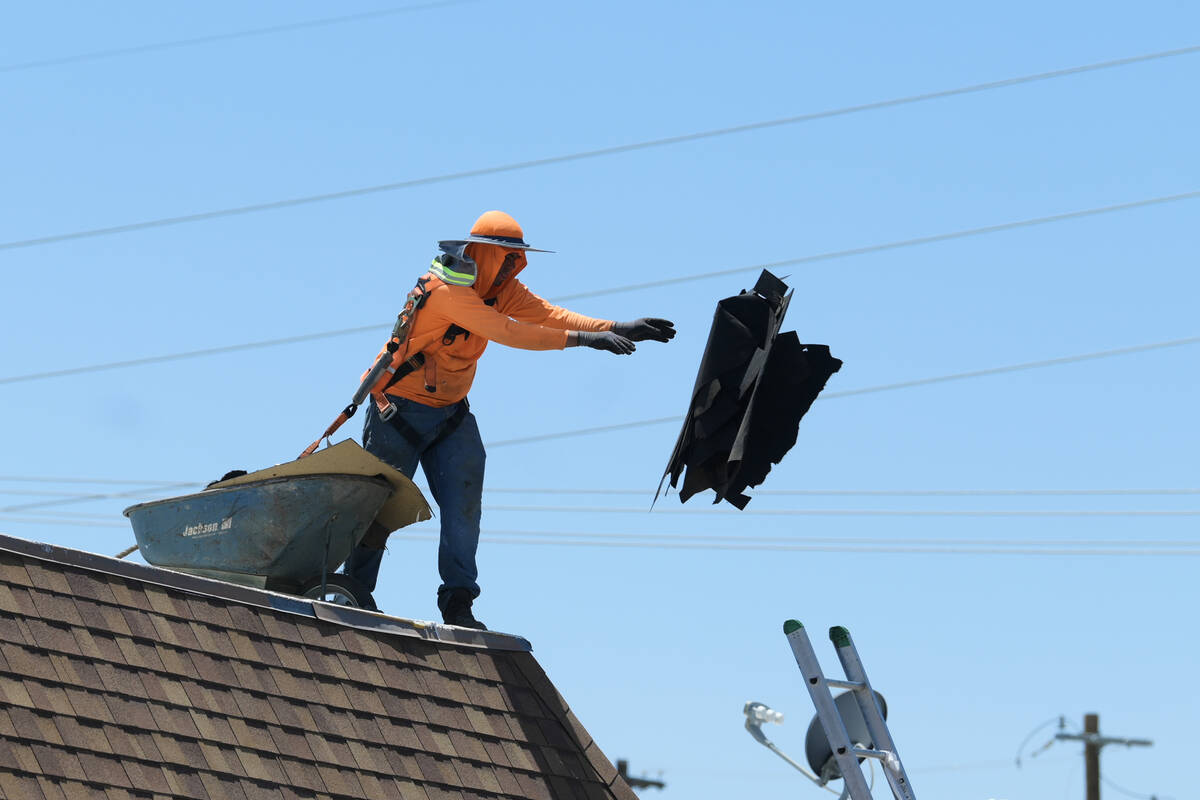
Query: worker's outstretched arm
[[518, 302], [461, 306], [621, 337]]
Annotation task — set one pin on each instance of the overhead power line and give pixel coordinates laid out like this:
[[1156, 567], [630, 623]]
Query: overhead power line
[[82, 523], [850, 541], [827, 256], [344, 194], [875, 492], [207, 351], [845, 512], [1122, 790], [896, 245], [38, 493], [855, 541], [113, 481], [887, 387], [1120, 351], [531, 537], [98, 55], [85, 498], [66, 516], [1050, 362], [156, 485], [990, 547]]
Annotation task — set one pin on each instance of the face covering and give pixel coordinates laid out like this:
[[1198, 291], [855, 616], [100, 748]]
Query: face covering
[[511, 264]]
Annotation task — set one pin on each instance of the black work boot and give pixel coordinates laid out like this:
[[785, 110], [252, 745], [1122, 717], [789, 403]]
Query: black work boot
[[455, 605]]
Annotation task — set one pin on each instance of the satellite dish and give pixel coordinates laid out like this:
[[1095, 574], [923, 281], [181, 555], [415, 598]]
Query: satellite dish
[[816, 744]]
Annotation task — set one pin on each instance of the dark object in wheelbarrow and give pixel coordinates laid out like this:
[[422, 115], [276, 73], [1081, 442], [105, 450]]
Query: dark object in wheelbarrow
[[233, 473], [284, 534]]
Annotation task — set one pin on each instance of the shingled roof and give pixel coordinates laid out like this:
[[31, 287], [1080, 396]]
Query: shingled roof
[[119, 680]]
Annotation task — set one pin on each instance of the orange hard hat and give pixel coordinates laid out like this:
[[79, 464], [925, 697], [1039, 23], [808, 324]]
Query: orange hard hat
[[498, 228]]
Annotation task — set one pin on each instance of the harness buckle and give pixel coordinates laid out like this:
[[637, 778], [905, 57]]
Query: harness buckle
[[388, 412]]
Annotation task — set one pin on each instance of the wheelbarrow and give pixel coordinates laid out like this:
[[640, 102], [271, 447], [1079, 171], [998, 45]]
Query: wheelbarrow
[[285, 528]]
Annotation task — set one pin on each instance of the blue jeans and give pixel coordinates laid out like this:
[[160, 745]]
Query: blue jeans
[[453, 465]]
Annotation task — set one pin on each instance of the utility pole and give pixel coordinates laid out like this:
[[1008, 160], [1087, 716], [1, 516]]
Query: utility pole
[[1092, 743], [637, 783]]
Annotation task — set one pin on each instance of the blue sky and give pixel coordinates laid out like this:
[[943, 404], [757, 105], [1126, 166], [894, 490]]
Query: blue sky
[[657, 648]]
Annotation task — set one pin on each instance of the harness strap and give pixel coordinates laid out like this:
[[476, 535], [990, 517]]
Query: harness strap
[[451, 425], [400, 333], [406, 368], [415, 438], [453, 332], [430, 375], [399, 338], [407, 431], [346, 414]]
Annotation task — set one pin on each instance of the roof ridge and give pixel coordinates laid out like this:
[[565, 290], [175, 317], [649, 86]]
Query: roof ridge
[[264, 598], [311, 670]]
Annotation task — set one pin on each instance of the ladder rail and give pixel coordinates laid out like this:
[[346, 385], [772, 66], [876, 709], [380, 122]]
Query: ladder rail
[[831, 720], [847, 754], [864, 695]]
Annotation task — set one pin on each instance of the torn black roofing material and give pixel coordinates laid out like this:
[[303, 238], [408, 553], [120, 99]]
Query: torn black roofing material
[[753, 387], [122, 680]]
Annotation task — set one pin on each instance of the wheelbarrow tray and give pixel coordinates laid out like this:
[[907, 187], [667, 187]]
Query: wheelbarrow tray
[[272, 533], [406, 505]]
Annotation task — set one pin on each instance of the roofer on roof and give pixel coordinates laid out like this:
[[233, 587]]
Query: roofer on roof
[[470, 296]]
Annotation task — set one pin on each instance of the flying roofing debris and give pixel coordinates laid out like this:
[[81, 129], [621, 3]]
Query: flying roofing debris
[[753, 387]]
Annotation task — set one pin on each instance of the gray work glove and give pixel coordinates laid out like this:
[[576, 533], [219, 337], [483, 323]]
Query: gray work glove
[[604, 340], [653, 328]]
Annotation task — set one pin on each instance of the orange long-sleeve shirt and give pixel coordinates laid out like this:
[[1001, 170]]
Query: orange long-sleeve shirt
[[519, 318]]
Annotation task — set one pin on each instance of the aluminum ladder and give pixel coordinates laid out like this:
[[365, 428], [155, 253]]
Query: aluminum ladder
[[846, 752]]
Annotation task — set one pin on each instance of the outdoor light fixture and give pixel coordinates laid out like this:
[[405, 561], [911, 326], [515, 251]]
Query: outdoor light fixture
[[816, 745], [758, 713]]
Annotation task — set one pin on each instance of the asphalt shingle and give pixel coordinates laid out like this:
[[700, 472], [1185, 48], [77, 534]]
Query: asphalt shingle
[[120, 680]]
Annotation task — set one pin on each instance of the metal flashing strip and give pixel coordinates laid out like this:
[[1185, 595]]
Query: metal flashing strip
[[433, 631], [208, 587]]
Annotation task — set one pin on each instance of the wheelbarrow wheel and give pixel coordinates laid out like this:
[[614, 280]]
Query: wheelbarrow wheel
[[340, 590]]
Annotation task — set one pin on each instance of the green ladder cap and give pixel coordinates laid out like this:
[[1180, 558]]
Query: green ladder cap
[[791, 626], [839, 636]]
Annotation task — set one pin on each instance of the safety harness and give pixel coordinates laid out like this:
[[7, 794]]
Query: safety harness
[[452, 267], [392, 366]]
